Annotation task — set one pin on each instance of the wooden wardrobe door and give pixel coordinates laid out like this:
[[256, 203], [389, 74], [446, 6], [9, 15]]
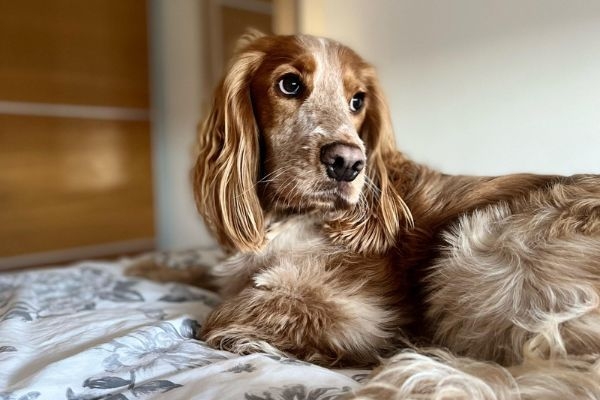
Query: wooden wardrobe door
[[75, 148]]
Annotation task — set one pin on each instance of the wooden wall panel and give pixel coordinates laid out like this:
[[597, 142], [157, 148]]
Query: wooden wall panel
[[91, 52], [73, 182]]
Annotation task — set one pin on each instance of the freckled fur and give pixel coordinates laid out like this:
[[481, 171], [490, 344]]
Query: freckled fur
[[498, 277]]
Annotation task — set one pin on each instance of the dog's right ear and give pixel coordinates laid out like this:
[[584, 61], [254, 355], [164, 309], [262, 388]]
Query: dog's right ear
[[227, 167]]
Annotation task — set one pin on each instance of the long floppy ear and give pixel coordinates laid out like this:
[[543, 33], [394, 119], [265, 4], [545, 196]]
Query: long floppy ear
[[227, 166], [373, 226]]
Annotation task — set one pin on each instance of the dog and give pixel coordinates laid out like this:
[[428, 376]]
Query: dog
[[343, 251]]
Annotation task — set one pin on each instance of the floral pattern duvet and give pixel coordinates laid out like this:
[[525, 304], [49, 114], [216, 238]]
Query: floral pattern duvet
[[89, 332]]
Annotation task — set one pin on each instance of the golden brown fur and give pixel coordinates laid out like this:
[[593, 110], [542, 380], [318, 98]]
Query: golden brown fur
[[339, 271]]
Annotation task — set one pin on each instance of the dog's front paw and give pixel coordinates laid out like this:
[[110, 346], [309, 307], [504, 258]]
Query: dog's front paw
[[239, 341], [275, 322]]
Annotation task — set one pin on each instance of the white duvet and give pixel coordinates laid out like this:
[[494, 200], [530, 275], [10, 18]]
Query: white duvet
[[89, 332]]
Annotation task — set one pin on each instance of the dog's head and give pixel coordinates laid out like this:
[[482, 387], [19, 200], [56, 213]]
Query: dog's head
[[298, 124]]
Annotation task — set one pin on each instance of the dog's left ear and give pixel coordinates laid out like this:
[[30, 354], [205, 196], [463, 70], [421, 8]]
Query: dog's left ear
[[376, 229], [246, 40], [227, 166]]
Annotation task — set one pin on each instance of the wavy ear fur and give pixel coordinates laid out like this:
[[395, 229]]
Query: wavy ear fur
[[373, 226], [227, 166]]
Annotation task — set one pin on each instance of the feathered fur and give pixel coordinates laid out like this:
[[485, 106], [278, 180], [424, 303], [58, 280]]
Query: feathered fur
[[503, 272]]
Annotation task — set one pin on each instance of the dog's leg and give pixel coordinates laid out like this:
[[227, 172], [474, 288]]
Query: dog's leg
[[437, 375], [306, 311]]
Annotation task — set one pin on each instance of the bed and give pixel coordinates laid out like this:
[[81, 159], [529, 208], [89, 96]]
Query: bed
[[88, 331]]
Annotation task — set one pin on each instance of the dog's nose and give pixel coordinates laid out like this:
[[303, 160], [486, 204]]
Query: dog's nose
[[342, 162]]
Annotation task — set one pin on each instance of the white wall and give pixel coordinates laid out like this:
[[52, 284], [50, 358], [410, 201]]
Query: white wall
[[484, 87], [177, 95]]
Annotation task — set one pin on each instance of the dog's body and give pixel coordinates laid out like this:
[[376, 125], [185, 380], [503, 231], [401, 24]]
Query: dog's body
[[344, 249]]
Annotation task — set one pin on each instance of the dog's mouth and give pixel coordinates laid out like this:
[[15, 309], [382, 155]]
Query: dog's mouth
[[339, 194], [325, 195], [348, 193]]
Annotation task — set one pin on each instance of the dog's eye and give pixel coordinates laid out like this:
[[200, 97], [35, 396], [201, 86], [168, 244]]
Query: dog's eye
[[290, 85], [357, 102]]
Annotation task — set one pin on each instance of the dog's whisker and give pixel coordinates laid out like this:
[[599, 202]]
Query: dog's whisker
[[271, 177]]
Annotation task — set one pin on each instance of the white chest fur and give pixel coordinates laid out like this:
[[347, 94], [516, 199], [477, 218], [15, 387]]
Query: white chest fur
[[293, 240], [294, 236]]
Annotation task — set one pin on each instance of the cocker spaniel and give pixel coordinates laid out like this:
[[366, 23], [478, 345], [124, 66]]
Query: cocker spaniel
[[344, 251]]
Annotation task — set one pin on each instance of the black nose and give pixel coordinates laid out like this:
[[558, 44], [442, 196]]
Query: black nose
[[342, 162]]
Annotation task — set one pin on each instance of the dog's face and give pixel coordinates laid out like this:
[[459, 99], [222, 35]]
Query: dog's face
[[310, 97], [298, 124]]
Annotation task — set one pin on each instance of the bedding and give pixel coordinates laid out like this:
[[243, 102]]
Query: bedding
[[88, 331]]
